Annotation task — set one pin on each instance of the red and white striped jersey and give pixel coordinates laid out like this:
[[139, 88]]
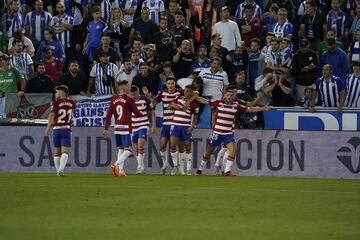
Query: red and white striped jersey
[[183, 117], [144, 106], [225, 116], [62, 109], [121, 106], [166, 98]]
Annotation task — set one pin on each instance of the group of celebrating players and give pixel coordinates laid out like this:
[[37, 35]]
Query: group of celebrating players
[[131, 112]]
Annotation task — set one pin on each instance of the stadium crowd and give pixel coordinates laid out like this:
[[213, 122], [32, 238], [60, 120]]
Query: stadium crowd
[[280, 52]]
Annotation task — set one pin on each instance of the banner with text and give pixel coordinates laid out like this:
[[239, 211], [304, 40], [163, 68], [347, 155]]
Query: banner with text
[[259, 152], [303, 119]]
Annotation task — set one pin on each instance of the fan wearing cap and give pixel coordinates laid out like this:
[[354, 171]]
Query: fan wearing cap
[[352, 85], [151, 58], [337, 58], [280, 90], [102, 75], [9, 78], [228, 30], [305, 67]]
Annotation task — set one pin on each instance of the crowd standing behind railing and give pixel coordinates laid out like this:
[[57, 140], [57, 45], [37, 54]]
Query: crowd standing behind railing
[[284, 53]]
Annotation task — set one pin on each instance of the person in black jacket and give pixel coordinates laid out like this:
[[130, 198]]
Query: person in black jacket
[[74, 79], [147, 79], [42, 83]]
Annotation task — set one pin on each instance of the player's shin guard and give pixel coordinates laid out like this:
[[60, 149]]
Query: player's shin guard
[[140, 159], [220, 156], [120, 151], [164, 159], [182, 163], [188, 158], [229, 163], [120, 162], [175, 158], [57, 162], [63, 160], [224, 159]]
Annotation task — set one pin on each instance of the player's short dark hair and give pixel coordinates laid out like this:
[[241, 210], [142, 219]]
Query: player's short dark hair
[[170, 79], [134, 88], [63, 88], [230, 88], [190, 86], [122, 82]]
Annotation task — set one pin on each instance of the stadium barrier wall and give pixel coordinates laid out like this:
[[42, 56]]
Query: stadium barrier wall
[[327, 154]]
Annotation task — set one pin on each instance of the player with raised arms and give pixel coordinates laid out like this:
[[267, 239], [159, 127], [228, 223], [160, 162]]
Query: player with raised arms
[[60, 121], [121, 106], [223, 127], [140, 125]]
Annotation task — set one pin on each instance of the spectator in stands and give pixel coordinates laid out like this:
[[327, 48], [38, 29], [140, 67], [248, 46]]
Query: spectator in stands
[[239, 62], [283, 28], [51, 41], [128, 7], [305, 67], [63, 25], [356, 23], [151, 58], [261, 83], [256, 61], [173, 7], [166, 73], [118, 30], [313, 25], [241, 10], [144, 26], [163, 27], [243, 90], [280, 91], [182, 60], [286, 51], [180, 31], [102, 76], [75, 79], [41, 83], [10, 78], [274, 59], [166, 49], [95, 30], [105, 47], [156, 7], [269, 18], [36, 22], [135, 59], [217, 42], [127, 72], [288, 5], [201, 61], [306, 100], [331, 90], [337, 58], [13, 18], [138, 45], [337, 19], [147, 79], [22, 60], [352, 85], [322, 47], [215, 80], [27, 44], [249, 25], [354, 48], [53, 66], [228, 30]]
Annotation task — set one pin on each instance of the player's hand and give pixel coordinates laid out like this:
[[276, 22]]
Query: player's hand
[[105, 133], [189, 130], [47, 131], [20, 93], [145, 90]]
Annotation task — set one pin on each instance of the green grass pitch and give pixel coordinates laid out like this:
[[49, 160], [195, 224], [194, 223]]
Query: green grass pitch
[[100, 206]]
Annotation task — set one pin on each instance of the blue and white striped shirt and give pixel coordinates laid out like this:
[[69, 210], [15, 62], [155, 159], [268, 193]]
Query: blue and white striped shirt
[[283, 30], [14, 23], [337, 21], [105, 10], [240, 10], [97, 72], [57, 23], [214, 83], [156, 7], [353, 91], [330, 90], [22, 63], [126, 4], [37, 23]]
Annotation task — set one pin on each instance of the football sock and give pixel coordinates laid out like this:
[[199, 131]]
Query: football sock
[[223, 162], [164, 159], [120, 162], [203, 163], [57, 162], [140, 159], [63, 160], [175, 157], [188, 162], [120, 151], [229, 163], [220, 156], [182, 161]]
